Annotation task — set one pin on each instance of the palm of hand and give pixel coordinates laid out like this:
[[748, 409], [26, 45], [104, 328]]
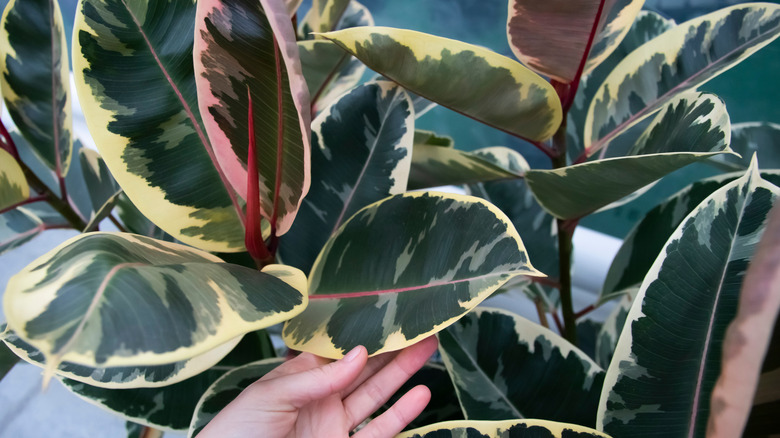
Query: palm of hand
[[310, 397]]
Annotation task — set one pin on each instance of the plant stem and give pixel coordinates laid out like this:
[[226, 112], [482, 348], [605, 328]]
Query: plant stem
[[542, 314], [565, 233], [61, 206]]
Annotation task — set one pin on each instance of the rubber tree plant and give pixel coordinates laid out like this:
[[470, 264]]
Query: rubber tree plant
[[255, 180]]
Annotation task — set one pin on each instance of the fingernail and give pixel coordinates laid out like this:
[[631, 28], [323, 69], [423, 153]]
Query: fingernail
[[352, 354]]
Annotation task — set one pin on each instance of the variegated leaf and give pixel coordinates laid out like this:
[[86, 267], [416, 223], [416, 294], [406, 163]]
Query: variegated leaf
[[362, 147], [135, 222], [421, 105], [141, 376], [226, 388], [616, 21], [692, 127], [680, 59], [101, 300], [349, 71], [540, 232], [373, 283], [17, 227], [132, 63], [669, 353], [7, 360], [645, 241], [429, 138], [323, 16], [13, 184], [98, 179], [501, 429], [505, 366], [434, 166], [246, 64], [474, 81], [761, 138], [36, 79], [171, 407], [551, 37], [748, 339], [607, 338], [646, 26]]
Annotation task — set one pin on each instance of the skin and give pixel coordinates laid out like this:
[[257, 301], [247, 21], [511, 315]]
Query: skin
[[310, 396]]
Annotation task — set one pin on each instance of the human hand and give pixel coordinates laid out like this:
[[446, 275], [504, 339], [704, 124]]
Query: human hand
[[309, 396]]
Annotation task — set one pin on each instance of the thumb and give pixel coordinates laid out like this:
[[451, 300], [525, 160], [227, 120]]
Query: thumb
[[301, 388]]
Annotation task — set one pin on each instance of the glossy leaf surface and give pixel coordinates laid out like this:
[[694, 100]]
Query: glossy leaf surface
[[371, 285], [13, 184], [678, 60], [748, 338], [141, 376], [245, 52], [480, 84], [690, 128], [225, 389], [501, 429], [132, 63], [101, 300], [607, 338], [551, 37], [670, 351], [98, 179], [645, 241], [505, 366], [362, 147], [434, 166], [36, 79], [17, 227]]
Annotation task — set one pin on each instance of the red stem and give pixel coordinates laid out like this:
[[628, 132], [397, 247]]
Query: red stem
[[584, 311], [9, 144], [324, 85], [578, 76], [546, 281], [29, 200], [117, 223], [253, 237], [557, 322]]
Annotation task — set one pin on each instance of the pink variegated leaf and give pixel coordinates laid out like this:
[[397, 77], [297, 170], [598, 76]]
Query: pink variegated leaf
[[240, 45]]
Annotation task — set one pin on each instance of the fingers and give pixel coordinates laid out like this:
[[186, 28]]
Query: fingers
[[296, 389], [376, 390], [300, 363], [393, 421]]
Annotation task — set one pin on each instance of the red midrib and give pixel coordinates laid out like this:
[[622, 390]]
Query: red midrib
[[402, 289]]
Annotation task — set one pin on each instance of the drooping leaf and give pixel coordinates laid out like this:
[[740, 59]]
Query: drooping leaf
[[141, 376], [36, 80], [444, 402], [646, 26], [98, 179], [551, 37], [101, 300], [225, 389], [103, 212], [501, 429], [245, 52], [13, 184], [645, 241], [540, 232], [374, 285], [362, 147], [669, 353], [505, 366], [761, 138], [678, 60], [747, 339], [132, 63], [474, 81], [692, 127], [434, 166]]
